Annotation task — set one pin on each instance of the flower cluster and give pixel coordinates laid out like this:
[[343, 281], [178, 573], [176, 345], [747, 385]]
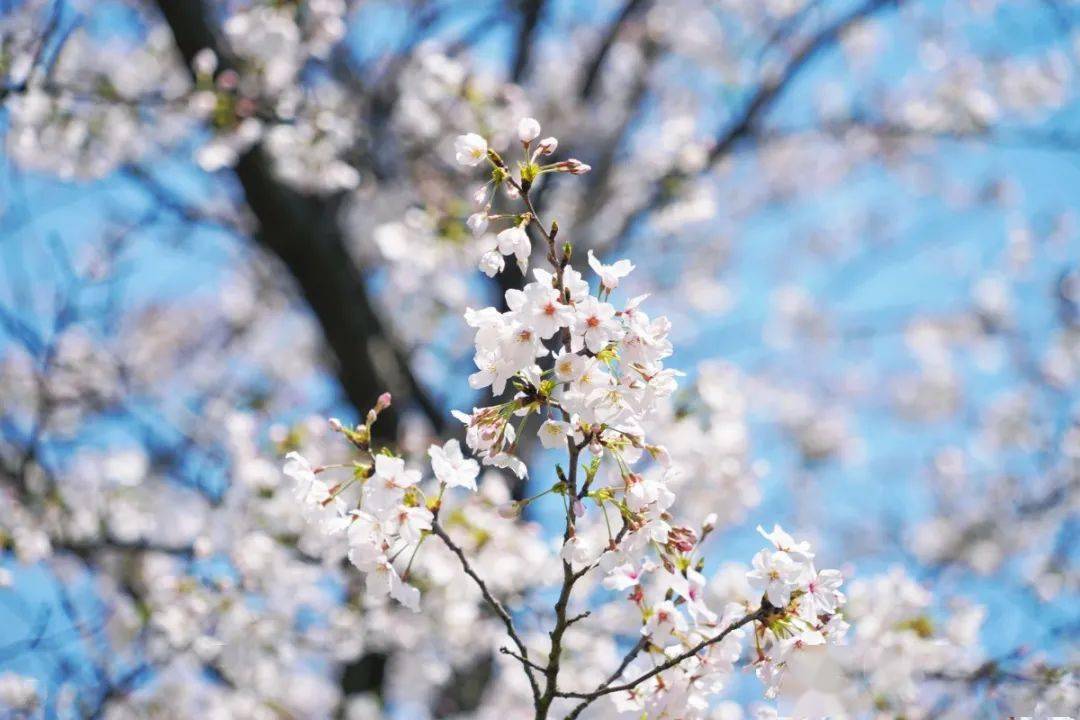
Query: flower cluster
[[471, 150], [390, 514], [592, 372], [604, 371], [802, 603]]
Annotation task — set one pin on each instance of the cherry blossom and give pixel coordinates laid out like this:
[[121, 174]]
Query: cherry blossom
[[453, 468], [470, 149], [528, 129], [610, 274]]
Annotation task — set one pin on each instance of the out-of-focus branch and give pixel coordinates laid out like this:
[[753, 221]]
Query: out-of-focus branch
[[526, 40], [592, 71], [891, 131], [746, 122], [304, 233], [770, 90]]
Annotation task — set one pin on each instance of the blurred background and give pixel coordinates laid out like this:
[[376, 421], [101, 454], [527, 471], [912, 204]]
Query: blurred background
[[222, 222]]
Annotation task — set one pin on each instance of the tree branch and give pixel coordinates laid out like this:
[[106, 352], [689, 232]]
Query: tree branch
[[761, 100], [530, 17], [592, 72], [493, 603], [305, 234], [607, 689]]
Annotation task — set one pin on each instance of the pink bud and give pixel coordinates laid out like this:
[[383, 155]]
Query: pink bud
[[576, 167], [547, 146], [383, 402], [579, 508], [228, 80], [335, 425]]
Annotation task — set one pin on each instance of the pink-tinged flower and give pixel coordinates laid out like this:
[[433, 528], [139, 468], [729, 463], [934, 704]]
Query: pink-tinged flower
[[623, 577], [594, 325], [822, 596], [776, 575], [579, 551], [409, 523], [568, 366], [384, 580], [782, 541], [541, 308], [691, 588], [646, 490], [664, 621], [387, 485]]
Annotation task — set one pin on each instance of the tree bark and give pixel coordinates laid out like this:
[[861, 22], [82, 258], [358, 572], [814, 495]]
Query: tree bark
[[304, 232]]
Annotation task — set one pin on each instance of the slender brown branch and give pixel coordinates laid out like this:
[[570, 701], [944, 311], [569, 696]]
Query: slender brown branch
[[496, 606], [305, 233], [522, 660], [589, 697]]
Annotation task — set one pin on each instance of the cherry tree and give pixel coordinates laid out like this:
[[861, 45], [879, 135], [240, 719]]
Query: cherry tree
[[224, 223]]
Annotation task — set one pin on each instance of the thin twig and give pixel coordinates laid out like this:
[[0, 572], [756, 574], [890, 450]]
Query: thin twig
[[589, 697], [495, 605]]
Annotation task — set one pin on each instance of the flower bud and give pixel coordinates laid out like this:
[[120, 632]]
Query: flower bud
[[682, 539], [335, 425], [547, 146], [383, 402], [576, 167], [478, 223], [204, 63], [710, 523], [528, 130], [480, 197]]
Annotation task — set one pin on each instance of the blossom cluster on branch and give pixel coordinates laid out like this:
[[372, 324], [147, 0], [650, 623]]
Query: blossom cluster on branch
[[587, 377]]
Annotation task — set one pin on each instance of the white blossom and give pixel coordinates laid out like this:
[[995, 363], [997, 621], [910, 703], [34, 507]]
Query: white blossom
[[470, 149]]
